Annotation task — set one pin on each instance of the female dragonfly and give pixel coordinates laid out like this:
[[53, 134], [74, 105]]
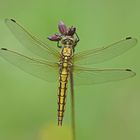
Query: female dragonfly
[[64, 64]]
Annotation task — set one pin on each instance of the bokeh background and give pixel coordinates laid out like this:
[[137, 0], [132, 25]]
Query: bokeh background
[[28, 106]]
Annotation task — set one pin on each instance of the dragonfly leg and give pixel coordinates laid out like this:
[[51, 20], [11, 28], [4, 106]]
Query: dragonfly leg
[[58, 45], [78, 39]]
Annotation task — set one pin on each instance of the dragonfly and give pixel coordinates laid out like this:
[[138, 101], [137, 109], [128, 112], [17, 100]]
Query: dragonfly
[[63, 64]]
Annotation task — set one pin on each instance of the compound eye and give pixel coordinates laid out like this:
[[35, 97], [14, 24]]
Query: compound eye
[[70, 42], [64, 41], [67, 42]]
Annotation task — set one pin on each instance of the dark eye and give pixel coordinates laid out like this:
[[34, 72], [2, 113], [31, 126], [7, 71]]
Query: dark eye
[[65, 41], [71, 42]]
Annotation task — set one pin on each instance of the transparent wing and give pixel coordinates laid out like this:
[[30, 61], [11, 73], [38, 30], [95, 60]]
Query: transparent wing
[[32, 43], [42, 69], [72, 104], [88, 76], [98, 55]]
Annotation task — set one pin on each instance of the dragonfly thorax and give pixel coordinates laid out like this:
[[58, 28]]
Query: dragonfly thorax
[[67, 51]]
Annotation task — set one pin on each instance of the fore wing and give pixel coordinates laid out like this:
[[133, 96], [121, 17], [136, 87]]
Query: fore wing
[[42, 69], [99, 55], [88, 76], [32, 43]]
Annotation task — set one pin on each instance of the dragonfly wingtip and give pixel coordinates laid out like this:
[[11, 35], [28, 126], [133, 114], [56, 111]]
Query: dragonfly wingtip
[[3, 49], [128, 70], [134, 39], [12, 20], [128, 37], [133, 73], [7, 20]]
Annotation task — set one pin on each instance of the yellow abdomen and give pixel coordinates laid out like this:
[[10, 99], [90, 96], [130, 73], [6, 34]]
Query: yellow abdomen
[[62, 91]]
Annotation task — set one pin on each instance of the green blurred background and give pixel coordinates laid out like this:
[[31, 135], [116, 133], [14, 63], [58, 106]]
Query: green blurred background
[[28, 106]]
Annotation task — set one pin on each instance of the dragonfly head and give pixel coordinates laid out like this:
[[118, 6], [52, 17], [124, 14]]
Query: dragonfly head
[[66, 35], [68, 40]]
